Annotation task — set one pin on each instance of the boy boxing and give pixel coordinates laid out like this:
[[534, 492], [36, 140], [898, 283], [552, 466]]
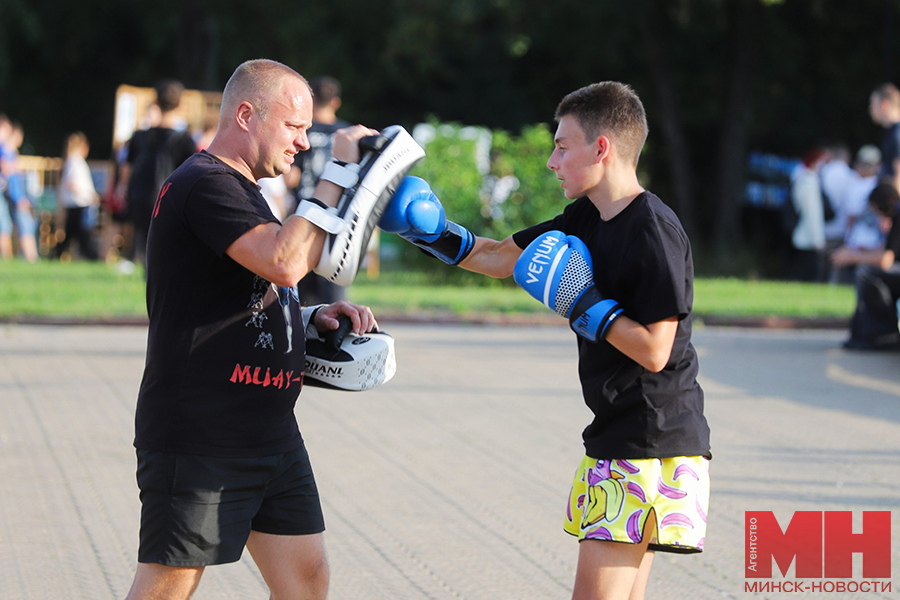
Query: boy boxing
[[617, 263]]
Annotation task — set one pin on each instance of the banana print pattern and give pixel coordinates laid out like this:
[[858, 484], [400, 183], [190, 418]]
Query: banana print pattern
[[613, 499]]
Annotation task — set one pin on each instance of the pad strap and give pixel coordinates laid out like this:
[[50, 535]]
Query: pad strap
[[319, 214], [339, 173], [308, 315]]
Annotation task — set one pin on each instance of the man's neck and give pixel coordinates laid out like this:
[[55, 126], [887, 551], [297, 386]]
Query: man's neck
[[231, 158]]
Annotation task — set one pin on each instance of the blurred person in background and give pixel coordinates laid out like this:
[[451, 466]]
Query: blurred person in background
[[808, 237], [874, 323], [6, 223], [863, 224], [835, 176], [153, 154], [884, 108], [20, 205], [79, 198]]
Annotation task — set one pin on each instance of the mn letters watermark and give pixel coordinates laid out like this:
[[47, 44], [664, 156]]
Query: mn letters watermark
[[821, 545]]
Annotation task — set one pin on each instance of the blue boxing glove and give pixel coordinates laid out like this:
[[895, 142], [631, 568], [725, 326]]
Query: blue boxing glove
[[556, 269], [416, 215]]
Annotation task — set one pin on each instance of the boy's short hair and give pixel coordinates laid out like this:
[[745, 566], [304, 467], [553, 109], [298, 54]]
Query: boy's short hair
[[612, 109], [884, 198]]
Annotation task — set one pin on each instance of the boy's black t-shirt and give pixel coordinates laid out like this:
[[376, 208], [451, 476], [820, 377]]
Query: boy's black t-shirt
[[225, 351], [642, 259]]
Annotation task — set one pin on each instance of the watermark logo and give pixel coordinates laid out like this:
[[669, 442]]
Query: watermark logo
[[820, 545]]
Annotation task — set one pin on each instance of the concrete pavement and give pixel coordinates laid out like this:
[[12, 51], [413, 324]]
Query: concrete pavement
[[448, 482]]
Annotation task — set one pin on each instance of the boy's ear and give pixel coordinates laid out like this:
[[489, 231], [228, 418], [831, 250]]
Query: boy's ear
[[603, 147]]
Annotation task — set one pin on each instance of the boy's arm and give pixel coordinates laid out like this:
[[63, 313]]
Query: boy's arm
[[492, 258], [416, 214], [557, 270], [648, 345]]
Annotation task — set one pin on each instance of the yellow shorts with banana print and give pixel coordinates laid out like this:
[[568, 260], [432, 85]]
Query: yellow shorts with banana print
[[612, 500]]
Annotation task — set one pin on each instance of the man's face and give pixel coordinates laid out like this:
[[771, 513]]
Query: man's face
[[573, 158], [282, 134]]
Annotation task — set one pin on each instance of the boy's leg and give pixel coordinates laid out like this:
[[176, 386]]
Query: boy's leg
[[643, 575], [293, 566], [608, 570], [158, 582], [613, 570]]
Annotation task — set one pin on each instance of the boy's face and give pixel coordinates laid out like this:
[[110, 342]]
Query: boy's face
[[573, 159]]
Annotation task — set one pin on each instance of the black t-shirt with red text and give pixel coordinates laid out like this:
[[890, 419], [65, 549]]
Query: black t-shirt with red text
[[642, 259], [225, 350]]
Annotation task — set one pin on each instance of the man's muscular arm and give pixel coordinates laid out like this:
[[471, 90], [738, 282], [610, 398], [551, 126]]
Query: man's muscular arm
[[284, 254]]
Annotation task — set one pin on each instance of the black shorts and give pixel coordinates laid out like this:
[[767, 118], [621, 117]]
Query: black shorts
[[199, 510]]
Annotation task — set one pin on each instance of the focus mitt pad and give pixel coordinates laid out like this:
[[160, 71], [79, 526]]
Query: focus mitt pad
[[346, 361], [385, 160]]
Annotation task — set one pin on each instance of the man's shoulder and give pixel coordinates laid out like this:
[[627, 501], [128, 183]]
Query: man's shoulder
[[205, 170]]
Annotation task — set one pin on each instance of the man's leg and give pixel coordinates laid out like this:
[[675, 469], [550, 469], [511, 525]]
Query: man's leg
[[158, 582], [294, 567]]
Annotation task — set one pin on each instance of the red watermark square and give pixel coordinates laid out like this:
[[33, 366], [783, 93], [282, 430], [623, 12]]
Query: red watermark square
[[819, 543]]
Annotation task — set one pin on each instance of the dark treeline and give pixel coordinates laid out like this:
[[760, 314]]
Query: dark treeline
[[720, 78]]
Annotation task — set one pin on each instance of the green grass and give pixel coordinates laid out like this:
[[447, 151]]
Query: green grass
[[738, 297], [87, 290], [75, 289]]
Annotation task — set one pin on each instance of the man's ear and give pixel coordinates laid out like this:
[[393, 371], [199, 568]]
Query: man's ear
[[243, 114]]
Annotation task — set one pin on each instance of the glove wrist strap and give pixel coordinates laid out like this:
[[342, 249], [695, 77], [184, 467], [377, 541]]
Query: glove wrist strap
[[592, 315], [453, 245], [342, 174], [319, 214]]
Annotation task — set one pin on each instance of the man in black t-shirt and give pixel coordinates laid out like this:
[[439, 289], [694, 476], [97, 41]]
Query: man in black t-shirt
[[221, 462], [874, 323], [643, 485]]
